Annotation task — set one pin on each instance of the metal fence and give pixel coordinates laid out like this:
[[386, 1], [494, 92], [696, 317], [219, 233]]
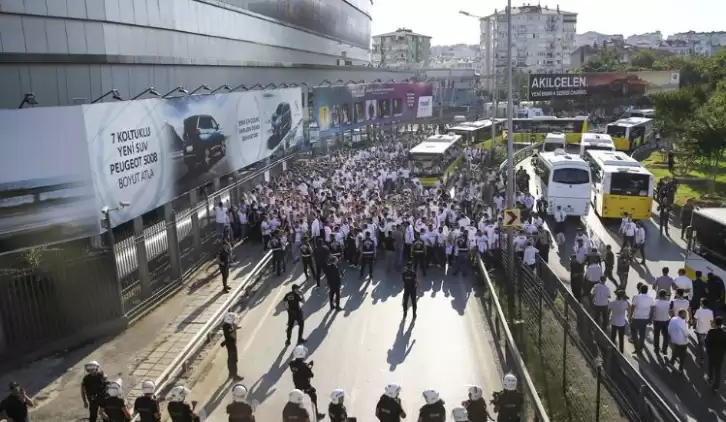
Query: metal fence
[[587, 378], [60, 296]]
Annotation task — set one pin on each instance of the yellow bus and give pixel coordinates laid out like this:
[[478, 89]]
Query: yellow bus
[[535, 129], [620, 184], [706, 251], [477, 132], [630, 133], [435, 158]]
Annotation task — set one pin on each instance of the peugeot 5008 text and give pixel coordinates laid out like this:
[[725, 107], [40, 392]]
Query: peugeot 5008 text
[[281, 124], [203, 140]]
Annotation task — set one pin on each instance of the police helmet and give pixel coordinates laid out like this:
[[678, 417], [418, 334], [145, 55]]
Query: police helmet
[[295, 287], [459, 414], [475, 392], [393, 390], [92, 366], [148, 387], [300, 352], [239, 393], [431, 396], [510, 382], [296, 397], [230, 318], [337, 396], [115, 388], [178, 393]]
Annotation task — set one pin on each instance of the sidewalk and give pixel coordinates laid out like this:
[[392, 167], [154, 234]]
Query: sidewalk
[[141, 352]]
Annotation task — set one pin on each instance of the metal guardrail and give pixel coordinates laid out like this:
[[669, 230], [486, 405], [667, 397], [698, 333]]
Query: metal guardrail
[[520, 155], [181, 362], [514, 361]]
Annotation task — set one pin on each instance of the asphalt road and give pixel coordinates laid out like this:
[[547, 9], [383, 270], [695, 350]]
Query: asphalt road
[[362, 348]]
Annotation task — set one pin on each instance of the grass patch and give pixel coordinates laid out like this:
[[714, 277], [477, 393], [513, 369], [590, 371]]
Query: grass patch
[[693, 183]]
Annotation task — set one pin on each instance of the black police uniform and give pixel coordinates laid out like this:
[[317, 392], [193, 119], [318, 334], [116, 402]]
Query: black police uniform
[[337, 413], [477, 410], [113, 408], [418, 255], [95, 387], [147, 407], [293, 301], [294, 413], [306, 254], [278, 255], [181, 412], [230, 343], [321, 259], [508, 405], [332, 272], [224, 259], [240, 412], [389, 409], [14, 407], [368, 248], [409, 291], [462, 247], [350, 251], [432, 412], [336, 249], [302, 373]]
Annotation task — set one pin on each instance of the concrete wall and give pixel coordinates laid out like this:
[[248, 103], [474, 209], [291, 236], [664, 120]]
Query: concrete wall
[[59, 83]]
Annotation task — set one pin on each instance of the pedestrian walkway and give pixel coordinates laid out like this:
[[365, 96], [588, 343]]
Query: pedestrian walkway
[[141, 352]]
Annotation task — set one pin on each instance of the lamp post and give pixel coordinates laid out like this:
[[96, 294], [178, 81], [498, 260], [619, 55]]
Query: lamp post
[[29, 99]]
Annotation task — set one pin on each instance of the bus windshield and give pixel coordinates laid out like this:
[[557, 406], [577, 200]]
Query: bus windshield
[[617, 131], [598, 148], [427, 164], [708, 239], [629, 184], [571, 176], [552, 146]]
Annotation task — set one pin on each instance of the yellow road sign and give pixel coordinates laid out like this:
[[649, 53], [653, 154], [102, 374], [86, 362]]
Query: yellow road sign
[[512, 217]]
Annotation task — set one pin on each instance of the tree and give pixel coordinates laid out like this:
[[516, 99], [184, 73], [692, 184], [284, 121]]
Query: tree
[[707, 133], [607, 60], [674, 109], [644, 59]]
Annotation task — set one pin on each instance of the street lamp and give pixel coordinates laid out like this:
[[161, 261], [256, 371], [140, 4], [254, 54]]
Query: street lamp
[[113, 92], [223, 87], [202, 87], [29, 98], [150, 90], [179, 89]]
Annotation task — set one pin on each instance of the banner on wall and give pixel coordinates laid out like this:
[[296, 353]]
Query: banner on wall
[[46, 185], [603, 84], [146, 153], [346, 107]]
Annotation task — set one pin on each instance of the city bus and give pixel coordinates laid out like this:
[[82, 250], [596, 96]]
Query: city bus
[[535, 129], [477, 132], [596, 142], [621, 184], [706, 251], [435, 158], [564, 181], [630, 133]]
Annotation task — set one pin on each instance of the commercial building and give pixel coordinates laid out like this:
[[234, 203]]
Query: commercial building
[[543, 39], [402, 48], [73, 51]]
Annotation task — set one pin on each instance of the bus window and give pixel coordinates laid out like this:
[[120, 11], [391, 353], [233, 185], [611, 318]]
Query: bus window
[[577, 126], [629, 184], [571, 176], [617, 131]]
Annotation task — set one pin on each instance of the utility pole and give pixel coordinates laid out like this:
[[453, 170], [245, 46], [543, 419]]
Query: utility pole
[[511, 290]]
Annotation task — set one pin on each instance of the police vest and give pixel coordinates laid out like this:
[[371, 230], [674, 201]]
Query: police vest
[[368, 247], [305, 251], [275, 244], [418, 247], [335, 248], [461, 244]]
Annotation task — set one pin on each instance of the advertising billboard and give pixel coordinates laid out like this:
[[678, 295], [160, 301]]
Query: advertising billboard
[[148, 152], [346, 107], [46, 185], [611, 85]]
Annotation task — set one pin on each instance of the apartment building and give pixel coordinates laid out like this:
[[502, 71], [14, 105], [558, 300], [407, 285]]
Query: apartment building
[[647, 40], [542, 40], [595, 38], [402, 48]]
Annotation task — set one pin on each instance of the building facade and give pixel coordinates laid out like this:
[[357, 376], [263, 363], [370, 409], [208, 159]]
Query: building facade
[[593, 38], [73, 51], [402, 48], [542, 40]]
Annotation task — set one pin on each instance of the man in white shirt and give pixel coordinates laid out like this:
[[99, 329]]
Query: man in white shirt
[[221, 218], [600, 294], [529, 257], [678, 333], [640, 241], [685, 283], [703, 321], [628, 229], [640, 315], [661, 318]]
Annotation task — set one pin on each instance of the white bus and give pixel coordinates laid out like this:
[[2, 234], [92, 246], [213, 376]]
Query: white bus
[[706, 250], [564, 181], [621, 184], [554, 141], [596, 142]]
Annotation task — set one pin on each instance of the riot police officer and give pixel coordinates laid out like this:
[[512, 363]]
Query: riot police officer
[[93, 389], [229, 330], [278, 254], [418, 254], [459, 414], [433, 410], [293, 301], [114, 408], [239, 410], [389, 407], [367, 255], [179, 410], [336, 249], [321, 253], [410, 289], [336, 409], [462, 253], [147, 406], [306, 254], [332, 273], [476, 406], [508, 402], [294, 410], [302, 373]]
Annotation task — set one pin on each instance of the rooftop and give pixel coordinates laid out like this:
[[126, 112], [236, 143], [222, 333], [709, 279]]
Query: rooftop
[[401, 31], [532, 9]]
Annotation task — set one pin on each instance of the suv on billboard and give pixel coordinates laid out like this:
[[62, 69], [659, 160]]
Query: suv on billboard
[[281, 124], [203, 140]]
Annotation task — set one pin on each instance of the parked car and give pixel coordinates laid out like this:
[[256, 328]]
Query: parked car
[[281, 124], [203, 140]]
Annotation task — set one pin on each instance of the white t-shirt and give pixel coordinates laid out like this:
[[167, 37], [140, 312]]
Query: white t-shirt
[[685, 283], [641, 306], [704, 317]]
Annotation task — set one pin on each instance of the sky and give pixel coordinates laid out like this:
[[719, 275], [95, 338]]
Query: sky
[[441, 20]]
